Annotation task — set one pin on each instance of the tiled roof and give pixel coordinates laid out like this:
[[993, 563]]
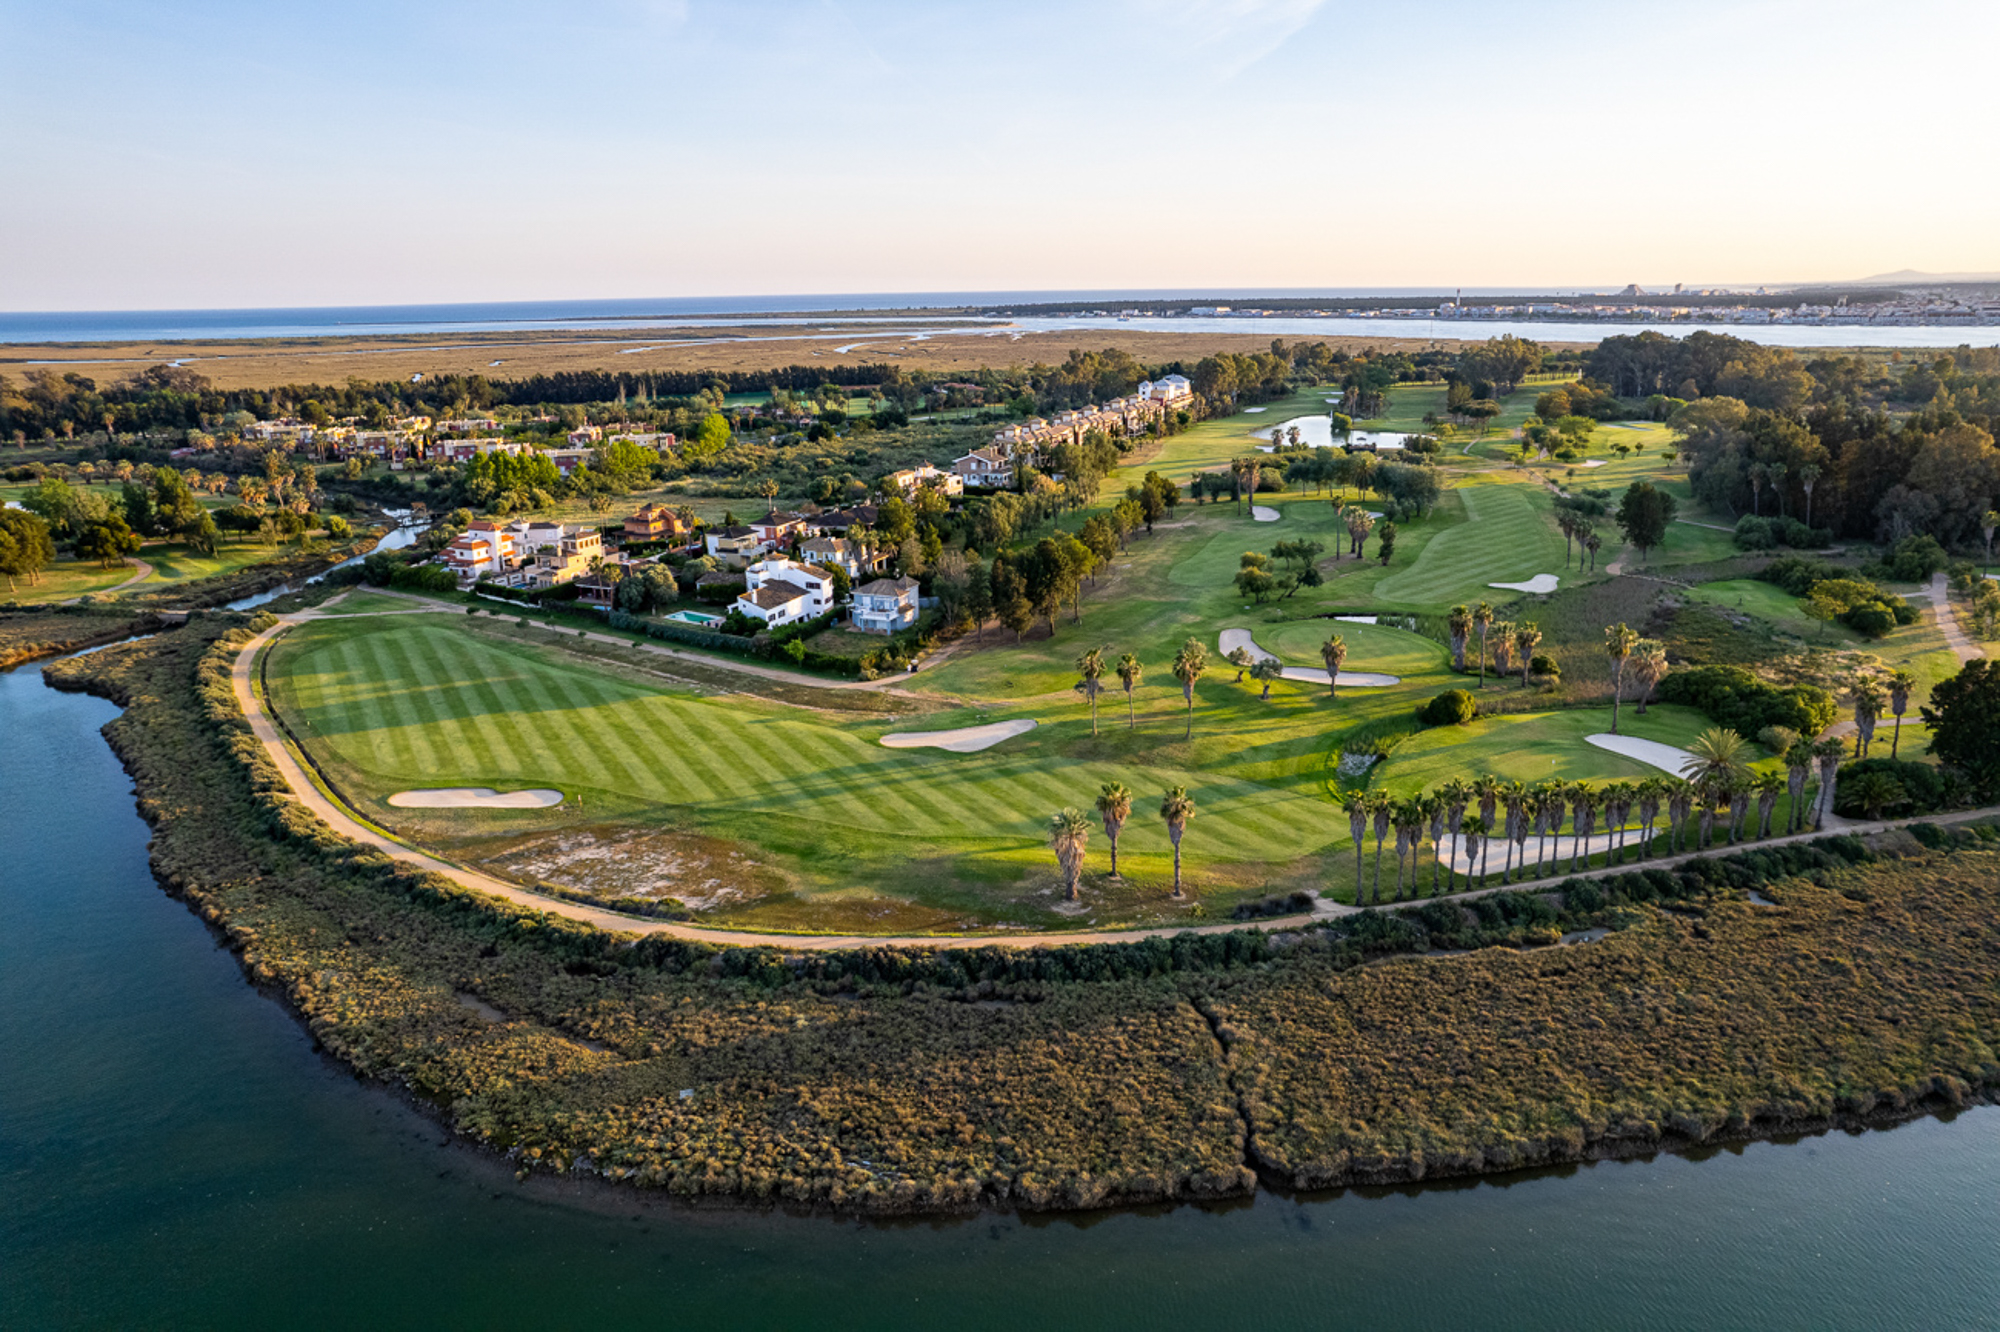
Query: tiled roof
[[886, 587], [774, 594]]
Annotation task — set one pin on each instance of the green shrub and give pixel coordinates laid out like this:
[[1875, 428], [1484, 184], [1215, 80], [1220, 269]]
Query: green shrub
[[1919, 787], [1454, 707], [1754, 533], [1735, 698]]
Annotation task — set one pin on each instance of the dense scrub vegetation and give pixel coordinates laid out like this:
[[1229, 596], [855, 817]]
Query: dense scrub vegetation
[[900, 1081], [28, 632]]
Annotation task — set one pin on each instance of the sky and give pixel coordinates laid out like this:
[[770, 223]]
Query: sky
[[225, 153]]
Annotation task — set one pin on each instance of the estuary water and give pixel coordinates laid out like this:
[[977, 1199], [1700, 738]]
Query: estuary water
[[173, 1153]]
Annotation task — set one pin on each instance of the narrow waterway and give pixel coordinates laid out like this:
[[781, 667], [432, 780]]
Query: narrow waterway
[[174, 1153]]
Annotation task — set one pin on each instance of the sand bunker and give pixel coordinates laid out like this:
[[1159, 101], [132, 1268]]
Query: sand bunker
[[1240, 638], [476, 797], [1252, 411], [1592, 462], [1539, 583], [1651, 752], [1264, 515], [965, 740]]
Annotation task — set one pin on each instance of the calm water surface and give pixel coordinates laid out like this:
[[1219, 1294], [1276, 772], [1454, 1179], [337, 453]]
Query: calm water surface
[[173, 1153]]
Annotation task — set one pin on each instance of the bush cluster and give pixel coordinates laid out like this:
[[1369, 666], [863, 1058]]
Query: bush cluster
[[1733, 697]]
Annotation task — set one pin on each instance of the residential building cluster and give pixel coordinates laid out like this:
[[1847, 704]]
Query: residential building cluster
[[523, 553], [993, 466]]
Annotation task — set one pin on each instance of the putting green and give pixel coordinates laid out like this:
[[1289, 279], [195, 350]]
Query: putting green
[[1507, 537]]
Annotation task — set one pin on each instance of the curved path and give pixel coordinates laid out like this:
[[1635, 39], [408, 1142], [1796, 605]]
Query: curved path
[[1962, 647], [145, 572]]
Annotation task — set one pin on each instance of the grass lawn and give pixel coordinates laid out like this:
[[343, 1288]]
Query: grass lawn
[[1534, 747], [68, 578], [939, 839], [364, 602], [1508, 537]]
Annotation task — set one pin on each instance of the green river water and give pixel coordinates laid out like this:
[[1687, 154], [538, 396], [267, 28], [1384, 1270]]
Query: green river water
[[174, 1153]]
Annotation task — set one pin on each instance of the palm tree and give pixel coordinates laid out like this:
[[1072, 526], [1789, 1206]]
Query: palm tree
[[1436, 811], [1739, 792], [1618, 644], [1114, 805], [1900, 685], [1482, 620], [1649, 665], [1130, 672], [1487, 789], [1585, 805], [1177, 807], [1592, 542], [1798, 767], [1827, 753], [1357, 807], [1649, 791], [1680, 799], [1472, 832], [1868, 704], [1717, 757], [1550, 799], [1408, 819], [1379, 810], [1453, 795], [1091, 667], [1768, 786], [1190, 664], [1266, 670], [1512, 796], [1808, 474], [1526, 636], [1333, 652], [1069, 832], [1459, 623]]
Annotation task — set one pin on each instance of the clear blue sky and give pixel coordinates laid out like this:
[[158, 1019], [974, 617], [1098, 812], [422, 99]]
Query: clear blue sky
[[225, 153]]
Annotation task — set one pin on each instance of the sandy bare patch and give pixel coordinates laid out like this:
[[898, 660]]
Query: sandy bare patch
[[1264, 515], [1240, 638], [1651, 752], [1540, 583], [613, 864], [476, 797], [1591, 462], [964, 740], [1252, 411]]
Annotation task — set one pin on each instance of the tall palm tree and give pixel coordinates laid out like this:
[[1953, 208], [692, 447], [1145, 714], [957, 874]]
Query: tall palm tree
[[1739, 792], [1454, 793], [1436, 810], [1513, 796], [1459, 623], [1869, 700], [1357, 809], [1808, 474], [1617, 797], [1407, 819], [1069, 832], [1768, 786], [1526, 636], [1114, 806], [1091, 667], [1190, 664], [1379, 811], [1177, 807], [1333, 652], [1619, 640], [1900, 685], [1130, 672], [1649, 667], [1482, 620], [1503, 649], [1588, 801], [1472, 833], [1680, 799], [1827, 753], [1650, 791], [1487, 789], [1799, 762]]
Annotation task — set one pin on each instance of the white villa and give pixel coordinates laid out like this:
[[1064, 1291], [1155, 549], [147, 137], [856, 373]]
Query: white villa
[[885, 605], [782, 591]]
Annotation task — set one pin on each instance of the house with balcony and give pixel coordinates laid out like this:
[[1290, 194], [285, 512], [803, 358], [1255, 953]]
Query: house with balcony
[[913, 479], [983, 469], [656, 522], [885, 605], [778, 530], [735, 546], [782, 591]]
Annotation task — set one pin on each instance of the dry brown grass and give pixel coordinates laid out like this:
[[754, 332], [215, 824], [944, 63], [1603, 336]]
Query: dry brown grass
[[269, 362]]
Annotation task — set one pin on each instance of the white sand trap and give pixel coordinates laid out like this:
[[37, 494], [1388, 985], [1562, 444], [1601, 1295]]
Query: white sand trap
[[1591, 462], [1651, 752], [476, 797], [965, 740], [1264, 515], [1357, 619], [1252, 411], [1539, 583], [1240, 638]]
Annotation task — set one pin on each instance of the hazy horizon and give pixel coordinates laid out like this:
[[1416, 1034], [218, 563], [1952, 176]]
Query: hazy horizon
[[223, 156]]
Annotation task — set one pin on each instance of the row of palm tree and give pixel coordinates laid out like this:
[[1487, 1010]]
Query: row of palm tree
[[1189, 665], [1069, 831], [1715, 789]]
